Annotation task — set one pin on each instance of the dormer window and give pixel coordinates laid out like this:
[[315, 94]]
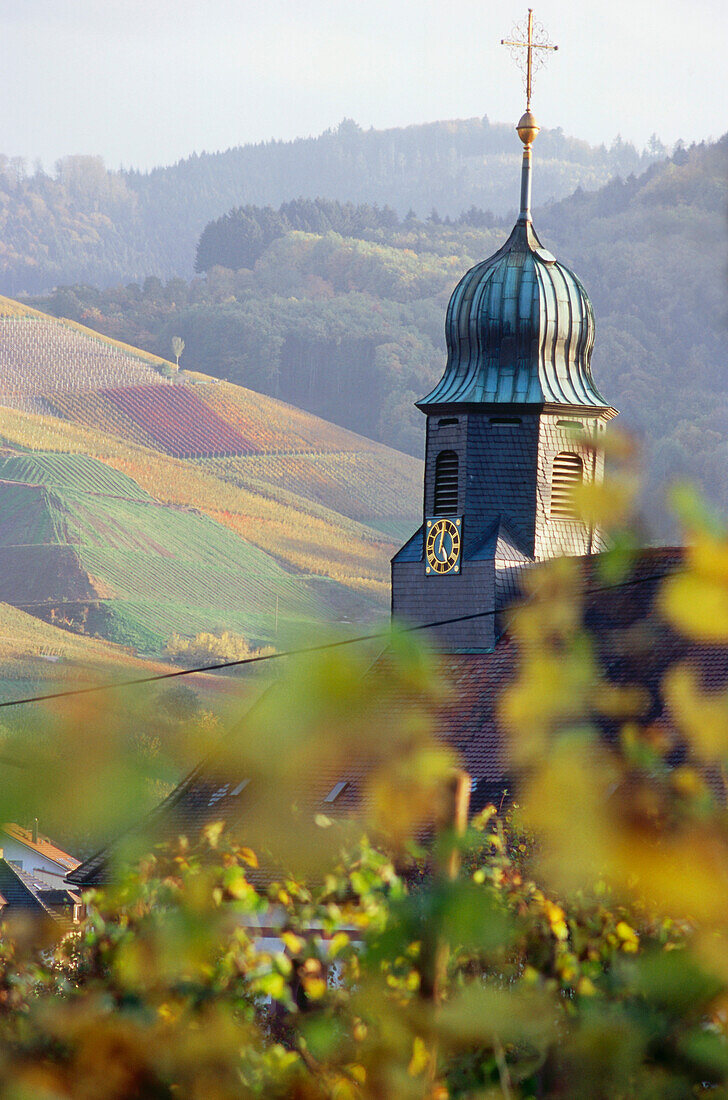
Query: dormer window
[[446, 483], [568, 474]]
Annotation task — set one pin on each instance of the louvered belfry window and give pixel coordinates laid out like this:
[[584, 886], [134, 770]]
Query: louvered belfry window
[[568, 474], [446, 483]]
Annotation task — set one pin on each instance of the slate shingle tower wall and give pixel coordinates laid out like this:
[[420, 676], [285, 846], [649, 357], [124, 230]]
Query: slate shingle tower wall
[[517, 395]]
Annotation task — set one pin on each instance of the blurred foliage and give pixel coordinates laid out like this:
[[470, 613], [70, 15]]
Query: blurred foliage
[[572, 945]]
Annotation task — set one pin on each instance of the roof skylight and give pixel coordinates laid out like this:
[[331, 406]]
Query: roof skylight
[[336, 791]]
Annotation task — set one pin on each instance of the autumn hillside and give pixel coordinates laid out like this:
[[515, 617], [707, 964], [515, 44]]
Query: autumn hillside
[[137, 501], [39, 657]]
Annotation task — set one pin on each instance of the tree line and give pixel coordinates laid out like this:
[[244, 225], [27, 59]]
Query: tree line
[[84, 223], [240, 237]]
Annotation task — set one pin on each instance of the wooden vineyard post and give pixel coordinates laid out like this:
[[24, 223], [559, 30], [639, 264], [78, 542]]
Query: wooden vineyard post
[[450, 829]]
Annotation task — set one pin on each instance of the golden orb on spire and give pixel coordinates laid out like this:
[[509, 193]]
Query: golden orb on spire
[[527, 128]]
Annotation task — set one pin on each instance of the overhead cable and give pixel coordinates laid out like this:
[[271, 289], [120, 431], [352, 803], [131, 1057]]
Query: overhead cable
[[379, 636]]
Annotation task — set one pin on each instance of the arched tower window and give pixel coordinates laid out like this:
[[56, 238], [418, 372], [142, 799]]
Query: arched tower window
[[446, 482], [568, 473]]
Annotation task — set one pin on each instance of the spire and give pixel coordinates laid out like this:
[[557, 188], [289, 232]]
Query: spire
[[527, 130], [527, 127]]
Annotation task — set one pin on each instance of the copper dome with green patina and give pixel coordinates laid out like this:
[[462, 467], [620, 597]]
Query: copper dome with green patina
[[519, 330]]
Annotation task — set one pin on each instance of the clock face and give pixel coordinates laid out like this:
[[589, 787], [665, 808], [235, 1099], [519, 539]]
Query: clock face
[[442, 545]]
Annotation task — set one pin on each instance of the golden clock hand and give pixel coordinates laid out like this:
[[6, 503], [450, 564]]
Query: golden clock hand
[[442, 539]]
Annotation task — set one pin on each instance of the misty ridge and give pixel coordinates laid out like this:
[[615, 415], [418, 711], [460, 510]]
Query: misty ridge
[[84, 223]]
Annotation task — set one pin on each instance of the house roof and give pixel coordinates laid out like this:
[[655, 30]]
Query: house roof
[[21, 892], [633, 644], [206, 796], [43, 846]]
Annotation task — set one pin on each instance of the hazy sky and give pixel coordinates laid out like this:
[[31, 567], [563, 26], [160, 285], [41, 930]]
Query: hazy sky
[[145, 82]]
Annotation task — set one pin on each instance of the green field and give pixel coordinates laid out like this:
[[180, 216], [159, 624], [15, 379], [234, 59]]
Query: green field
[[37, 657], [138, 570], [72, 472]]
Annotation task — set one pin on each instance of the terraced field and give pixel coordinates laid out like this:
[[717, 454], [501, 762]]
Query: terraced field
[[124, 565], [172, 419], [69, 471], [263, 445], [275, 427], [38, 336], [353, 483], [40, 356], [92, 409], [302, 535], [178, 422], [212, 419]]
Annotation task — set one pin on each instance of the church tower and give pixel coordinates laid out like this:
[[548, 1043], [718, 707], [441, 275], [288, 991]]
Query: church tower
[[513, 425]]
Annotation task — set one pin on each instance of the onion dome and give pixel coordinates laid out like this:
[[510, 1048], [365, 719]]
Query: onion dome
[[519, 326]]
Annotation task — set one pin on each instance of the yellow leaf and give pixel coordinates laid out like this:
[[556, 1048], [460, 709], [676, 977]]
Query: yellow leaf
[[294, 943], [557, 921], [314, 987], [628, 936], [708, 556], [697, 606], [212, 832], [338, 942], [358, 1072], [701, 716], [420, 1059]]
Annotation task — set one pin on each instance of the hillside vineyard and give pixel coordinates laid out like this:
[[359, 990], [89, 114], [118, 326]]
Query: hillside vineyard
[[139, 502], [39, 357], [173, 419]]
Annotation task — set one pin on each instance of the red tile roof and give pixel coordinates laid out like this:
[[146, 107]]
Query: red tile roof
[[42, 845]]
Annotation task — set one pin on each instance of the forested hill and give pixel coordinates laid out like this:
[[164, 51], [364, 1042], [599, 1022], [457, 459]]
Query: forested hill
[[653, 254], [351, 327], [85, 224]]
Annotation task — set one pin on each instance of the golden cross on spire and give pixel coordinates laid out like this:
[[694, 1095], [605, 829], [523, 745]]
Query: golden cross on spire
[[532, 61]]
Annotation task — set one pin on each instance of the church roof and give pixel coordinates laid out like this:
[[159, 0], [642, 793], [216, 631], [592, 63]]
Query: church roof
[[634, 646], [519, 330], [501, 544]]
